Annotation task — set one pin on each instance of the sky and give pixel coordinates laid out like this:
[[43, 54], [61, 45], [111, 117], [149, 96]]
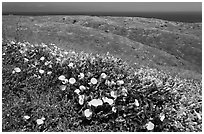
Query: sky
[[101, 7]]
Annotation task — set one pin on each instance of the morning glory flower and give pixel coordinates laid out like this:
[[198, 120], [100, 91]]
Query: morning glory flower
[[113, 94], [136, 103], [71, 65], [64, 81], [41, 71], [17, 69], [108, 83], [114, 109], [61, 77], [63, 87], [162, 116], [150, 126], [27, 117], [94, 81], [81, 99], [120, 82], [113, 83], [72, 80], [82, 87], [88, 113], [47, 63], [43, 118], [26, 60], [42, 58], [124, 90], [81, 75], [49, 72], [77, 91], [66, 53], [103, 75], [39, 121], [109, 101], [96, 102]]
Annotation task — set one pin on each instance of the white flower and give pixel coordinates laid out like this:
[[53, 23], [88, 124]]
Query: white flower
[[12, 42], [124, 90], [43, 118], [72, 80], [41, 71], [136, 103], [63, 87], [95, 102], [27, 117], [50, 66], [94, 81], [39, 121], [66, 53], [108, 83], [112, 82], [49, 72], [103, 75], [42, 58], [17, 69], [26, 60], [150, 126], [162, 116], [61, 77], [81, 75], [120, 82], [64, 81], [77, 91], [113, 94], [88, 113], [114, 109], [109, 101], [71, 65], [82, 87], [46, 63], [81, 99]]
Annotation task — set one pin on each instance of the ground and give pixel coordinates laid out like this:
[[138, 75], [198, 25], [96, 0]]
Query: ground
[[43, 59]]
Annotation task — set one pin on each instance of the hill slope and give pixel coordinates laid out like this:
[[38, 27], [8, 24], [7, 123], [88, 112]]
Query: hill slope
[[48, 89], [155, 43]]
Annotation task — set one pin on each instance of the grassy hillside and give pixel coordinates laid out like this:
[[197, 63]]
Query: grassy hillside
[[46, 89], [108, 74], [148, 42]]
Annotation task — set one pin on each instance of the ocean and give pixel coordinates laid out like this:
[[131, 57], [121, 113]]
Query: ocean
[[190, 17]]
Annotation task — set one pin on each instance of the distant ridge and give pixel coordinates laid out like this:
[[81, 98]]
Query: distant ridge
[[189, 17]]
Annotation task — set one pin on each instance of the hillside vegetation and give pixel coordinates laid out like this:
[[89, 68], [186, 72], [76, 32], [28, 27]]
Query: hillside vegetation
[[100, 74], [45, 88]]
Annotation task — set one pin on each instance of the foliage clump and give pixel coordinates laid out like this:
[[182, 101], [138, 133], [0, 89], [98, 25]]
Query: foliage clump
[[45, 88]]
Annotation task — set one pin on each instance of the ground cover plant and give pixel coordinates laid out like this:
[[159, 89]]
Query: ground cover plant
[[46, 89]]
